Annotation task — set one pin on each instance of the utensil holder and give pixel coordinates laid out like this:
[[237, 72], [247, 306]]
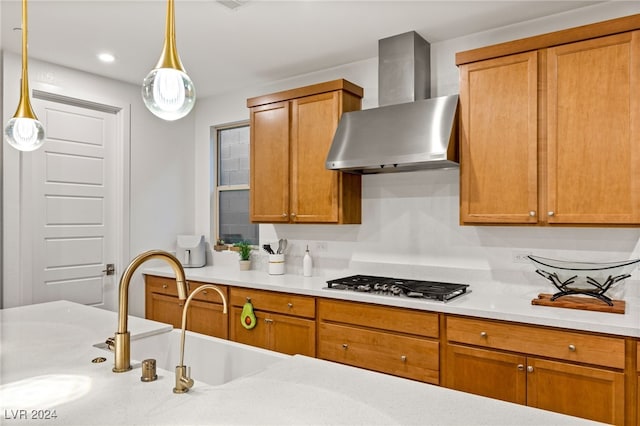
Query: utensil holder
[[276, 264]]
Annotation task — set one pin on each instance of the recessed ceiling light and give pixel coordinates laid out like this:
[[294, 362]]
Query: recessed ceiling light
[[232, 4], [106, 57]]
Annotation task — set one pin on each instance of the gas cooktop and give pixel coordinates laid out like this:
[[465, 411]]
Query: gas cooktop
[[399, 287]]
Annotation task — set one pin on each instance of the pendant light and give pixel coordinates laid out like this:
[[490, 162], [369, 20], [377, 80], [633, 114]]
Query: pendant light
[[24, 132], [167, 90]]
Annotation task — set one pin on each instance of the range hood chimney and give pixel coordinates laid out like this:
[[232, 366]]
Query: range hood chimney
[[408, 131]]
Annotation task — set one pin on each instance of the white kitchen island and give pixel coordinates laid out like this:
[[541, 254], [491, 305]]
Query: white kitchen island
[[45, 369]]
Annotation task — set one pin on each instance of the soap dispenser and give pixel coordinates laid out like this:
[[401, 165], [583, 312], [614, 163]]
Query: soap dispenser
[[307, 264]]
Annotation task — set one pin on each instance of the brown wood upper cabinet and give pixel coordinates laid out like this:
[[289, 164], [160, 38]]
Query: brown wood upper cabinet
[[291, 133], [550, 133]]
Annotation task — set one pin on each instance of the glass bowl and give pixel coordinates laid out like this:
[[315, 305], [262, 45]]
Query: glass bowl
[[590, 276]]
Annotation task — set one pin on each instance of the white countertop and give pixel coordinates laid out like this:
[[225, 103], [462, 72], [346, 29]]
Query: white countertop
[[493, 300], [46, 352]]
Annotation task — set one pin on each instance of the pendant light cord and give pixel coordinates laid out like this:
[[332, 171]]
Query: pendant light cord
[[169, 57], [24, 105]]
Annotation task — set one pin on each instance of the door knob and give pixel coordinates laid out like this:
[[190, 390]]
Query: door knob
[[110, 269]]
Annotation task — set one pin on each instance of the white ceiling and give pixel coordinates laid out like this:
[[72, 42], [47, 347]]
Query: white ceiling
[[261, 42]]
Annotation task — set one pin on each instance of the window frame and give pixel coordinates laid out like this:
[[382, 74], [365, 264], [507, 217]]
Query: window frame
[[216, 189]]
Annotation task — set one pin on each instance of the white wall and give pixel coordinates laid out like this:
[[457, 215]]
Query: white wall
[[410, 220], [159, 196]]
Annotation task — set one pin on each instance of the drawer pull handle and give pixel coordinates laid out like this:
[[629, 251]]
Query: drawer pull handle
[[483, 334], [345, 346], [204, 292], [572, 348], [269, 320], [164, 286], [290, 305], [403, 358], [520, 367], [530, 369]]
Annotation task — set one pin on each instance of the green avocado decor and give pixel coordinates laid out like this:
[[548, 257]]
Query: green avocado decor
[[247, 317]]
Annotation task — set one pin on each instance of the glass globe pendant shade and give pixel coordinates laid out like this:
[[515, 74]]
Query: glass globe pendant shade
[[24, 134], [168, 93]]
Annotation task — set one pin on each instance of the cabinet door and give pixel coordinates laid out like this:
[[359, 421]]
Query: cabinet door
[[591, 393], [292, 335], [498, 145], [593, 131], [314, 189], [163, 308], [488, 373], [269, 187], [257, 336], [281, 333], [207, 318]]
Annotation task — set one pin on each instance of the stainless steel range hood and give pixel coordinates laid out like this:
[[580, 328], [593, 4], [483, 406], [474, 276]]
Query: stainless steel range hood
[[409, 131]]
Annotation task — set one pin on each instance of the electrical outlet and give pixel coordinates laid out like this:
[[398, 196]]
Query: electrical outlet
[[320, 246], [521, 257]]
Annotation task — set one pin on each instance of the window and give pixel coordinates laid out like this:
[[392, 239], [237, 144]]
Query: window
[[232, 185]]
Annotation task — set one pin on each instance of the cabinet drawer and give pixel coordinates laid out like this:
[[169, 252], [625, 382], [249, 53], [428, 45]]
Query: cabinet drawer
[[404, 356], [566, 345], [380, 317], [208, 295], [161, 285], [284, 303]]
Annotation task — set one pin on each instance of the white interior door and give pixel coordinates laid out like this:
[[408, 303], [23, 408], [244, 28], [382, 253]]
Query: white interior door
[[71, 199]]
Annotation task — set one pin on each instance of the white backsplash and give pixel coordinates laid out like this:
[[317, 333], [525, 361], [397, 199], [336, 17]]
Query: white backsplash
[[410, 229]]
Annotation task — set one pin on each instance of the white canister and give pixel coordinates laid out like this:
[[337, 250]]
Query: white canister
[[276, 264]]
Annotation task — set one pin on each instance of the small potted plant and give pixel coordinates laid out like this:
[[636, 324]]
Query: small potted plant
[[244, 250], [220, 245]]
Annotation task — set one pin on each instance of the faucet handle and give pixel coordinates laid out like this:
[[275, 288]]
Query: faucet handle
[[111, 343], [183, 380]]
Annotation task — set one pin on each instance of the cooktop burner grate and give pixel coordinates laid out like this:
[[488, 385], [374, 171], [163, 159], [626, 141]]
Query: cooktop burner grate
[[399, 287]]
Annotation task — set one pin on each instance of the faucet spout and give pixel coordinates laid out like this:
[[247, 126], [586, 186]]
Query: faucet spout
[[183, 380], [122, 340]]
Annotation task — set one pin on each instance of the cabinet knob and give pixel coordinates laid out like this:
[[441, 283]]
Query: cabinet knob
[[403, 358], [204, 291], [284, 215], [345, 346], [290, 305], [529, 369], [164, 286], [551, 213], [532, 213], [293, 215], [520, 367], [572, 348], [483, 334], [249, 299]]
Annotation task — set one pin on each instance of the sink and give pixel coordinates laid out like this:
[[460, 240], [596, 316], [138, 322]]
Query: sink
[[212, 360]]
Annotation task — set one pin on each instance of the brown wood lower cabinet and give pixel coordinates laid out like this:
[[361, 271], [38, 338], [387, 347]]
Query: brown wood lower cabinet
[[205, 310], [284, 322], [589, 375], [280, 333], [483, 358], [373, 337]]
